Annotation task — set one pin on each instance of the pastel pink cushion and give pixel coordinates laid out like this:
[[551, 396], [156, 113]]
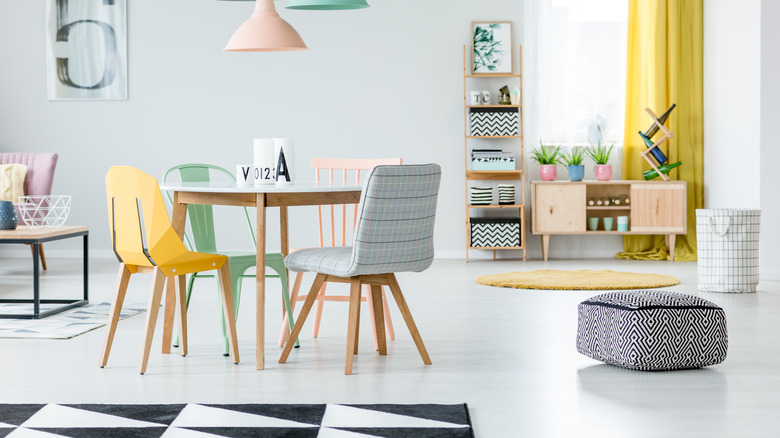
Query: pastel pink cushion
[[40, 171]]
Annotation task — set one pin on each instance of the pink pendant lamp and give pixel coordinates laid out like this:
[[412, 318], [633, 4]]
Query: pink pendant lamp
[[265, 31]]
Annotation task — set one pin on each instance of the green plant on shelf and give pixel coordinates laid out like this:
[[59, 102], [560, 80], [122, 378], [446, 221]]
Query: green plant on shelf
[[575, 157], [600, 153], [546, 154]]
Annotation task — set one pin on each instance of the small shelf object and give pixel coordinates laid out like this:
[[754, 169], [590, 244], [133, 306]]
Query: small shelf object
[[652, 149], [494, 156]]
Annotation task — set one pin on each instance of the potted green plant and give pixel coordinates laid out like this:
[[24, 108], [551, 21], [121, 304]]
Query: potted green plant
[[547, 156], [574, 164], [600, 155]]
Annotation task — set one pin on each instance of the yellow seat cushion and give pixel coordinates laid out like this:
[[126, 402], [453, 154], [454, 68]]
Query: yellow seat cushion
[[12, 181]]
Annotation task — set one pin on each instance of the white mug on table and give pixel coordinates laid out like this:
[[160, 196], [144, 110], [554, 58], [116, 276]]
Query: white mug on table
[[245, 175]]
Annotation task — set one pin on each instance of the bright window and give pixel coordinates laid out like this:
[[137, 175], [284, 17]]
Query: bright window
[[580, 71]]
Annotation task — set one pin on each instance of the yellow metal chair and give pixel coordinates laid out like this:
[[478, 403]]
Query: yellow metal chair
[[144, 241]]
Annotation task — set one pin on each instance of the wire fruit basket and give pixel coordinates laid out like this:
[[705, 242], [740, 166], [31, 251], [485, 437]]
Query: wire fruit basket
[[44, 211]]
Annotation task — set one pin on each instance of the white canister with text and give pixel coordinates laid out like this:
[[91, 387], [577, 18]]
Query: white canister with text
[[264, 161], [284, 156]]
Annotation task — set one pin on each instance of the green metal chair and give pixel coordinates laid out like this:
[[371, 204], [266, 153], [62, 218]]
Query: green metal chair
[[202, 238]]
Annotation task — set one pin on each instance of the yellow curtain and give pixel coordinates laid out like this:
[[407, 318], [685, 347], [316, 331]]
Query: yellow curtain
[[665, 67]]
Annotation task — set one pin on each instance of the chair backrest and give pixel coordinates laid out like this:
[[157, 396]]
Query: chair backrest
[[141, 232], [201, 217], [341, 168], [40, 170], [394, 231]]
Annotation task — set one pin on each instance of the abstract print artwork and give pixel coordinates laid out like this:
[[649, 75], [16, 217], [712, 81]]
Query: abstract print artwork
[[492, 47], [86, 49]]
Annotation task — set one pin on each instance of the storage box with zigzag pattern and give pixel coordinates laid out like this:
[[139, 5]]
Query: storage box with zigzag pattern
[[494, 121], [495, 232]]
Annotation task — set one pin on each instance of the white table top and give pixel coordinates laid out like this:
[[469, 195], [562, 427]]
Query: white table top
[[221, 187]]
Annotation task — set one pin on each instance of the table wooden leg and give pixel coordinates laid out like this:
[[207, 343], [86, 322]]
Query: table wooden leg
[[178, 215], [178, 220], [284, 230], [545, 245], [260, 282], [670, 240], [284, 235]]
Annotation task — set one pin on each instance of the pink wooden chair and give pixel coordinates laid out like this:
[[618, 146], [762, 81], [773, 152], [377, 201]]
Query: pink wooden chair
[[345, 166], [39, 178]]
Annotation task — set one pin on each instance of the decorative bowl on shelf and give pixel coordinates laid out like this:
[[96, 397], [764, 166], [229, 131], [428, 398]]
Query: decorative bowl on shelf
[[44, 211]]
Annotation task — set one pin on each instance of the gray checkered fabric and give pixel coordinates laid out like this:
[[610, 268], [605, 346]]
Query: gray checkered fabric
[[727, 249], [394, 230]]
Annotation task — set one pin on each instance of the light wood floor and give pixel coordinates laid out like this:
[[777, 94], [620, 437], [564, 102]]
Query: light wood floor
[[508, 353]]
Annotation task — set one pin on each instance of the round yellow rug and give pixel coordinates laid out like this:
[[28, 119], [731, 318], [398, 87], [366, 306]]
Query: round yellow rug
[[577, 280]]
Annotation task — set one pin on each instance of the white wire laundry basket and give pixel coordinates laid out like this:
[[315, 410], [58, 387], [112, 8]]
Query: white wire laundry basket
[[727, 242]]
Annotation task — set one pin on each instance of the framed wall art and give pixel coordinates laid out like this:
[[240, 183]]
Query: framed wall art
[[492, 47], [86, 49]]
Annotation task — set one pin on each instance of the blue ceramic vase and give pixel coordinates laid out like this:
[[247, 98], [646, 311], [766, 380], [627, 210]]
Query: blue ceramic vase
[[576, 172], [8, 218]]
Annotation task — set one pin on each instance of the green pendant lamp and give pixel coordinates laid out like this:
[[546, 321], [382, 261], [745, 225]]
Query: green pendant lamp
[[326, 5]]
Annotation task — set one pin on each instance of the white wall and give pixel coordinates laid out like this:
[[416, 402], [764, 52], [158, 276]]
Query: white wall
[[770, 144], [380, 82], [742, 106], [732, 103]]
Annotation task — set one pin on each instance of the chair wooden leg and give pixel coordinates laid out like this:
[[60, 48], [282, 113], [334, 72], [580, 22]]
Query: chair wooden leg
[[376, 297], [152, 310], [190, 283], [319, 280], [43, 257], [293, 299], [315, 330], [229, 310], [399, 299], [354, 322], [388, 319], [357, 327], [123, 278], [169, 314], [371, 318], [180, 293]]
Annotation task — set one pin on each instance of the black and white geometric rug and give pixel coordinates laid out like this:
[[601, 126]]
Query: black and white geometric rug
[[245, 420], [63, 325]]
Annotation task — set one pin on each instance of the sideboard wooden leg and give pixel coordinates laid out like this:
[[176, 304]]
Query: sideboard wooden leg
[[670, 239], [545, 245]]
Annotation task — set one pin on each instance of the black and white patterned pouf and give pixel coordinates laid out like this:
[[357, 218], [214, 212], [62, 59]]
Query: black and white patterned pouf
[[652, 330]]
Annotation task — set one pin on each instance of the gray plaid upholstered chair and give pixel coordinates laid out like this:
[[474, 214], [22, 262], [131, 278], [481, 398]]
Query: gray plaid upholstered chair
[[394, 233]]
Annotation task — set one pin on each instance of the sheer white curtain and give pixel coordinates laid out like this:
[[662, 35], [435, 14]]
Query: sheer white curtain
[[575, 58]]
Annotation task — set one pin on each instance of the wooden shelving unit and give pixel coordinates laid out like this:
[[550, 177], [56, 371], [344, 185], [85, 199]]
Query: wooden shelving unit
[[494, 176]]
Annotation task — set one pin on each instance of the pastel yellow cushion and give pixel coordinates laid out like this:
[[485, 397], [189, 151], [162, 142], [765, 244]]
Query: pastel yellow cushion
[[12, 181]]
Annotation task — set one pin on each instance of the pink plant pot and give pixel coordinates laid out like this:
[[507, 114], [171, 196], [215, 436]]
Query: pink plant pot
[[603, 172], [548, 172]]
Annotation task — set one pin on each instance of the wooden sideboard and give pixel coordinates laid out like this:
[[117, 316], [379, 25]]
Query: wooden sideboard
[[655, 207]]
